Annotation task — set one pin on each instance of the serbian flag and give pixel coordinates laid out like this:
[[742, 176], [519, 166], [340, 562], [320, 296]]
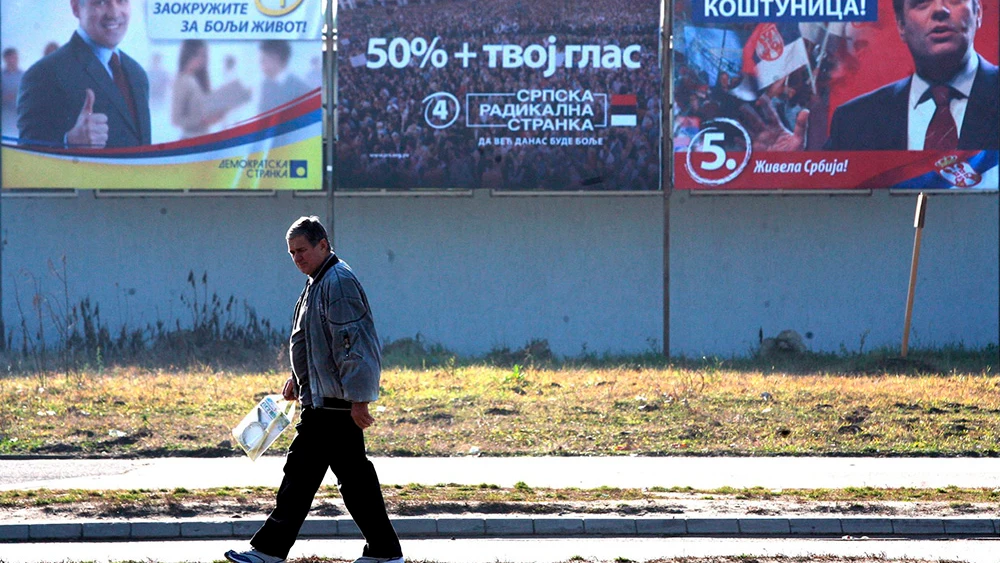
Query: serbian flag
[[624, 110], [773, 51]]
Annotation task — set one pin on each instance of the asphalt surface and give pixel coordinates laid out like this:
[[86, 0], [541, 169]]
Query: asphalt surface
[[519, 550], [554, 472]]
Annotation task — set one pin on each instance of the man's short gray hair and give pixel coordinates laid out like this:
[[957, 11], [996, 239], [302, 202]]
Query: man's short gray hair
[[309, 227]]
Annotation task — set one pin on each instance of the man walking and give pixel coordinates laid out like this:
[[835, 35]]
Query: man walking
[[336, 366]]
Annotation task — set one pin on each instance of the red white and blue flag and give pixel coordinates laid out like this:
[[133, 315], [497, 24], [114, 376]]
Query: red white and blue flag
[[773, 51], [624, 110]]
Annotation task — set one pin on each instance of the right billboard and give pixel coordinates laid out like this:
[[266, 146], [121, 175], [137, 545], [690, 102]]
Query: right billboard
[[835, 95]]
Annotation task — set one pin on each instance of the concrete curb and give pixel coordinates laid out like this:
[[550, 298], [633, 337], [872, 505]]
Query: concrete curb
[[514, 526]]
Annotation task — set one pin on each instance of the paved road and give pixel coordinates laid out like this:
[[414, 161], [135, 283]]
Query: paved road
[[698, 472], [515, 551], [584, 472]]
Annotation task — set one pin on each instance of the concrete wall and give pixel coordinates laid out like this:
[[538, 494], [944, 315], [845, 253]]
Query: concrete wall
[[836, 267], [476, 272]]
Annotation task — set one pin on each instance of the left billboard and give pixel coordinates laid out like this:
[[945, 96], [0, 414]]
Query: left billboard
[[143, 94]]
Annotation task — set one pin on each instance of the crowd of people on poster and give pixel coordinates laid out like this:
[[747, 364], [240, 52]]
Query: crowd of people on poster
[[388, 135]]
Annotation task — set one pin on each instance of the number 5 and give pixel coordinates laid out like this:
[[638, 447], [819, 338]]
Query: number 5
[[375, 45], [708, 145]]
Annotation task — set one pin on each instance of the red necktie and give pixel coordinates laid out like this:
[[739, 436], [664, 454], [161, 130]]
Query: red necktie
[[942, 133], [119, 76]]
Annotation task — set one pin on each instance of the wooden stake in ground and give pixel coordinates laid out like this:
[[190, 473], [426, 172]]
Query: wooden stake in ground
[[918, 224]]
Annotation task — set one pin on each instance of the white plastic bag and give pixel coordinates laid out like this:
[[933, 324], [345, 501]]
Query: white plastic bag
[[262, 425]]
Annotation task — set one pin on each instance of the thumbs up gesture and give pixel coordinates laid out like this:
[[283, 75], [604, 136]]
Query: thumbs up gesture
[[91, 129]]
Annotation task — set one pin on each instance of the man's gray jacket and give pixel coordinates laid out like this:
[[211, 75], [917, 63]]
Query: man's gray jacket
[[342, 347]]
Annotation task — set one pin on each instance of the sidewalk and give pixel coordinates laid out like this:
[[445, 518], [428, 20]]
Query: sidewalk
[[553, 472], [520, 527], [625, 472]]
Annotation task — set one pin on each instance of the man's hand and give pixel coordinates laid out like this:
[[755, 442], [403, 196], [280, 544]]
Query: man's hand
[[289, 391], [91, 129], [361, 416], [769, 134]]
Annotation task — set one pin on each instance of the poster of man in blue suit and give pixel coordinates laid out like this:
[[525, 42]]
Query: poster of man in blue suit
[[88, 93], [940, 35]]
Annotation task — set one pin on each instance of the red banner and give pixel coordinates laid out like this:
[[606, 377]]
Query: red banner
[[840, 170]]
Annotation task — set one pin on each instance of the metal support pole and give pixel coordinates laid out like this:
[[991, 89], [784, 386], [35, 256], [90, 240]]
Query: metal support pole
[[666, 156], [3, 328], [666, 273], [330, 115]]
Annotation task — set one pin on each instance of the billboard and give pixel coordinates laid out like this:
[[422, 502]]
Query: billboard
[[148, 94], [835, 95], [499, 94]]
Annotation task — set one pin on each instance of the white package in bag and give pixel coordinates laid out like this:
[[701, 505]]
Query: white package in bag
[[262, 425]]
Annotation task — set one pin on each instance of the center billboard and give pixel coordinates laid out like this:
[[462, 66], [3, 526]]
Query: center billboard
[[507, 95]]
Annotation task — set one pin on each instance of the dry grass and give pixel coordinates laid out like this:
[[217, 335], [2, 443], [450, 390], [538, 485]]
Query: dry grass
[[127, 411], [523, 411], [423, 499], [653, 412]]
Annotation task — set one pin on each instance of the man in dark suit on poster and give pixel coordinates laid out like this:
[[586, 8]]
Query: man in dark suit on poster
[[87, 94], [949, 103]]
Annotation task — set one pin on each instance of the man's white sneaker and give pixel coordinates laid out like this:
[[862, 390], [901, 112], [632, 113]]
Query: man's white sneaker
[[252, 556], [366, 559]]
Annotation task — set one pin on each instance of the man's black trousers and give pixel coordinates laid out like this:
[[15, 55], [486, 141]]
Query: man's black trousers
[[328, 439]]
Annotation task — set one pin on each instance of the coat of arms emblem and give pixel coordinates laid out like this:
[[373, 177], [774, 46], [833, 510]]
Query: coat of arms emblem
[[958, 173]]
